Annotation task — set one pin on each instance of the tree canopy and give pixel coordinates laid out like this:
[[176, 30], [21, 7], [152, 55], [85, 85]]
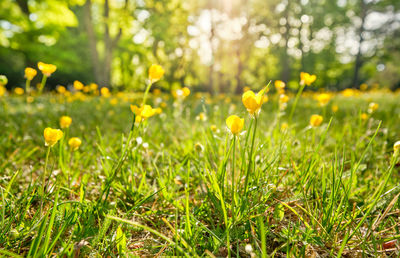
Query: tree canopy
[[217, 46]]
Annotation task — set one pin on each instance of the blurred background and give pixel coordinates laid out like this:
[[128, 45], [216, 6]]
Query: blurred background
[[209, 45]]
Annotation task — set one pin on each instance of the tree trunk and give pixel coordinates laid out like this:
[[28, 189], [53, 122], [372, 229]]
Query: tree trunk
[[358, 63], [96, 65], [285, 60], [239, 72], [108, 48], [211, 69]]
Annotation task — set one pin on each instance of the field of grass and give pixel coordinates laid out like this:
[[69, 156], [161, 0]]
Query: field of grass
[[180, 183]]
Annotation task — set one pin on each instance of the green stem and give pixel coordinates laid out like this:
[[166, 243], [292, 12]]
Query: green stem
[[296, 100], [42, 84], [28, 86], [246, 181], [146, 93], [233, 178], [45, 169]]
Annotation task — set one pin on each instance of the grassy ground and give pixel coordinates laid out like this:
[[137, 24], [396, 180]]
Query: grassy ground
[[175, 185]]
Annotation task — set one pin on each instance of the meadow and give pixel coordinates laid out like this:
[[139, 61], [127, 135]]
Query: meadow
[[267, 173]]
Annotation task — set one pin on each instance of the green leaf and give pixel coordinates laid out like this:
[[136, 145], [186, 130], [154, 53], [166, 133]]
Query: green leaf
[[279, 212], [121, 242]]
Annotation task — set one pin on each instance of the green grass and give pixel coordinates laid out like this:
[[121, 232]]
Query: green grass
[[149, 190]]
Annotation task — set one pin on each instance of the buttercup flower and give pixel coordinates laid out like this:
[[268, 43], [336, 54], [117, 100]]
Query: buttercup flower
[[30, 73], [61, 89], [65, 121], [323, 99], [156, 72], [364, 116], [372, 107], [105, 92], [181, 93], [74, 143], [284, 126], [396, 148], [158, 110], [93, 86], [363, 87], [78, 85], [143, 112], [213, 128], [252, 101], [283, 100], [335, 108], [2, 90], [19, 91], [307, 79], [280, 86], [201, 117], [235, 124], [47, 69], [186, 91], [30, 99], [316, 120], [51, 136], [157, 92]]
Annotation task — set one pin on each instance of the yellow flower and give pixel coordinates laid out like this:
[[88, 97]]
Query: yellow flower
[[2, 90], [186, 91], [61, 89], [19, 91], [155, 72], [86, 89], [246, 88], [396, 148], [51, 136], [47, 69], [158, 110], [372, 107], [30, 73], [181, 93], [93, 86], [74, 143], [335, 108], [105, 92], [323, 98], [143, 112], [283, 100], [30, 99], [307, 79], [156, 92], [235, 124], [65, 121], [316, 120], [3, 80], [364, 116], [280, 86], [78, 85], [252, 101], [363, 87], [284, 126], [349, 92], [213, 128], [114, 101], [201, 117]]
